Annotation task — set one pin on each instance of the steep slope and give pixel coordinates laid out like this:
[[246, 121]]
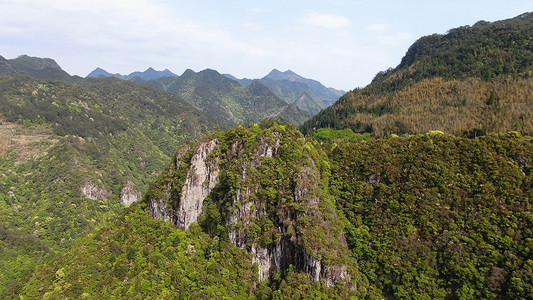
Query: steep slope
[[74, 153], [243, 81], [297, 93], [261, 189], [43, 68], [473, 80], [101, 73], [6, 68], [258, 220], [310, 96]]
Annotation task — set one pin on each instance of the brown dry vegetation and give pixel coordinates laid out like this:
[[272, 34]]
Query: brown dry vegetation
[[25, 142], [453, 106]]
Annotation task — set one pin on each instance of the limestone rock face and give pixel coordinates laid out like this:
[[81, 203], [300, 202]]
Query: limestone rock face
[[201, 178], [93, 192], [129, 194], [280, 218]]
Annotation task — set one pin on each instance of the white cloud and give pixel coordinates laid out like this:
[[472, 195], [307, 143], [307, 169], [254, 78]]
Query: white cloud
[[326, 21], [380, 28], [115, 33]]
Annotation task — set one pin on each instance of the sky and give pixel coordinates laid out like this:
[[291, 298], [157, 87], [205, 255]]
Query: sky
[[341, 43]]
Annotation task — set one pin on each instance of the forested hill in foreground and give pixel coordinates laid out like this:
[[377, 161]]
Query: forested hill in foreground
[[471, 81], [427, 216]]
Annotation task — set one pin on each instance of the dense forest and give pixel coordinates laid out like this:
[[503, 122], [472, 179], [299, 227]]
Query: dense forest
[[425, 216]]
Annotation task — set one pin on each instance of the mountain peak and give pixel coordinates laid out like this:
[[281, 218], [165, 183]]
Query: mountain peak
[[188, 73], [44, 68], [99, 73], [287, 75]]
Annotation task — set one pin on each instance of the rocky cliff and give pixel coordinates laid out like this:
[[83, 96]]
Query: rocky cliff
[[262, 190]]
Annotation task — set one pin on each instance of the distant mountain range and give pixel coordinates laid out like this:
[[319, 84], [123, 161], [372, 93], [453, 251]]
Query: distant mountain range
[[226, 100], [284, 96], [419, 207], [308, 95], [149, 74]]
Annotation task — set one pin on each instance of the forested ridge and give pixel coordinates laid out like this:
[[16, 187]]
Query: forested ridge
[[471, 81]]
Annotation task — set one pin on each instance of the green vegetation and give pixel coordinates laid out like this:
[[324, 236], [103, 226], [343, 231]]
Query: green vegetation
[[443, 211], [436, 216], [472, 81], [226, 100], [425, 216], [137, 257], [44, 68], [68, 150], [278, 178], [346, 135]]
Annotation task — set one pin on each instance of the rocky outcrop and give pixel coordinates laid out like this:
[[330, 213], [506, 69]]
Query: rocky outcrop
[[201, 178], [129, 194], [289, 248], [93, 192], [279, 219]]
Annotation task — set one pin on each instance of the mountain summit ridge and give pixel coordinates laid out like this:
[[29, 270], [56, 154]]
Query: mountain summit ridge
[[149, 74]]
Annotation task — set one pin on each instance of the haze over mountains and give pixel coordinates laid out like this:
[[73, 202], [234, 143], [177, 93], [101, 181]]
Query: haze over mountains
[[430, 199]]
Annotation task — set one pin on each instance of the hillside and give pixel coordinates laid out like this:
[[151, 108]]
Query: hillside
[[268, 213], [471, 81], [324, 95], [418, 186], [72, 154]]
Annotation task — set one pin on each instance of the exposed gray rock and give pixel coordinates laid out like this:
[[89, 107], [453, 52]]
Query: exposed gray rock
[[129, 194], [93, 192], [158, 209], [201, 180]]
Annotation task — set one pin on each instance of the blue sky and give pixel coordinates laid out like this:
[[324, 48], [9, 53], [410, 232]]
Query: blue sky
[[341, 43]]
